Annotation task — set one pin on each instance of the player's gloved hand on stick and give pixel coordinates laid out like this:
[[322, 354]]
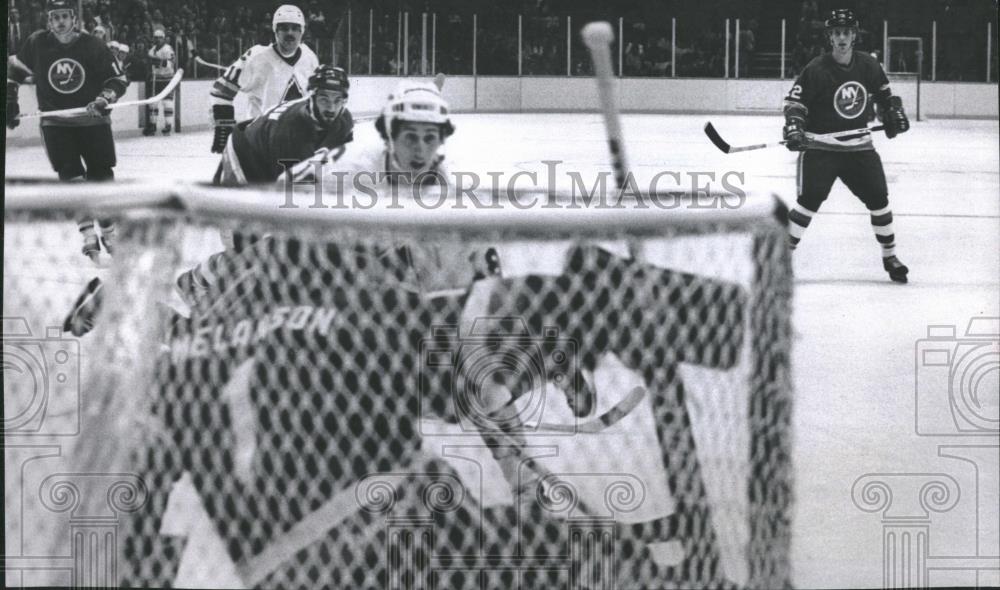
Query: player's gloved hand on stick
[[224, 118], [794, 134], [99, 107], [13, 109], [895, 119]]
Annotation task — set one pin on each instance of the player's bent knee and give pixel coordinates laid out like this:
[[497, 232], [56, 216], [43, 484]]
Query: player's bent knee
[[874, 203], [810, 202]]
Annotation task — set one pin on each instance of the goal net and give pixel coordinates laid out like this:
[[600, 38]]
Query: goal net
[[546, 396]]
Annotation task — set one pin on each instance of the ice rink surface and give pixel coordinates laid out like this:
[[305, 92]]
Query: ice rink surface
[[857, 371]]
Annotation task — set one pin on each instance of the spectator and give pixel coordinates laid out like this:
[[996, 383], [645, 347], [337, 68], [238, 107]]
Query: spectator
[[100, 33], [14, 31]]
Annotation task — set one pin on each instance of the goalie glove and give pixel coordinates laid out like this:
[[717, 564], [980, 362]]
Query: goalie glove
[[894, 118], [224, 119], [13, 109]]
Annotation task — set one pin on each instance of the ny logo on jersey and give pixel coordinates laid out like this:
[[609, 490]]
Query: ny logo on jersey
[[66, 75], [850, 100], [292, 91]]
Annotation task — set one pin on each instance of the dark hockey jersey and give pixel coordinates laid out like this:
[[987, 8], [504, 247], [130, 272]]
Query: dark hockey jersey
[[839, 98], [286, 132], [71, 75]]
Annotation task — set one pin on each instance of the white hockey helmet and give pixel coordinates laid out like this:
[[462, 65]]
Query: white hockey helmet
[[415, 102], [288, 13]]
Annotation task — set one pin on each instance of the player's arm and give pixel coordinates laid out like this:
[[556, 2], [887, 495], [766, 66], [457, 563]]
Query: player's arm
[[890, 107], [239, 77], [114, 86], [18, 72], [796, 113], [348, 135]]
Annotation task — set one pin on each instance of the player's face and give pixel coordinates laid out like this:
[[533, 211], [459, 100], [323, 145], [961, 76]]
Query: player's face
[[288, 36], [61, 21], [417, 145], [329, 103], [842, 38]]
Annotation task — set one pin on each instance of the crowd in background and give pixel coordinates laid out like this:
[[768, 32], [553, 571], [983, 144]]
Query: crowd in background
[[369, 36]]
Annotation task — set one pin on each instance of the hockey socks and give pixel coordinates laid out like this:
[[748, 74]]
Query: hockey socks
[[886, 236], [798, 220], [882, 226]]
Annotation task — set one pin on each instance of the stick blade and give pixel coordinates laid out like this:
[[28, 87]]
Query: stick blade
[[715, 138]]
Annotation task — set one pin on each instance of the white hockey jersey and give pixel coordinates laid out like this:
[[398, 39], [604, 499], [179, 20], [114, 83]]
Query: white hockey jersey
[[162, 60], [266, 78]]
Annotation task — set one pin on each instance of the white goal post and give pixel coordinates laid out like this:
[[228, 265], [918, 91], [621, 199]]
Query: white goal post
[[322, 413]]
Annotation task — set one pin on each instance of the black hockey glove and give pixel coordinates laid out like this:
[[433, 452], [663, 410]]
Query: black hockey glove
[[13, 109], [224, 117], [894, 118], [99, 106], [794, 135]]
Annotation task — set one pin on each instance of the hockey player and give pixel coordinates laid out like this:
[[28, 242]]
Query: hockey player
[[72, 69], [414, 125], [836, 92], [292, 130], [267, 74], [162, 61], [258, 150]]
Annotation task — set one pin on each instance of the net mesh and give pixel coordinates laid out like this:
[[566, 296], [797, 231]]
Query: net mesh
[[434, 407]]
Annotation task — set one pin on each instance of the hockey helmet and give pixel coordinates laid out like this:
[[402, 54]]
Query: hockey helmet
[[51, 5], [842, 17], [415, 102], [288, 13], [329, 78]]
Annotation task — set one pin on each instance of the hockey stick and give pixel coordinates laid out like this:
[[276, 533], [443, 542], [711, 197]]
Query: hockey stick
[[115, 105], [595, 426], [598, 37], [609, 418], [201, 62], [726, 148]]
